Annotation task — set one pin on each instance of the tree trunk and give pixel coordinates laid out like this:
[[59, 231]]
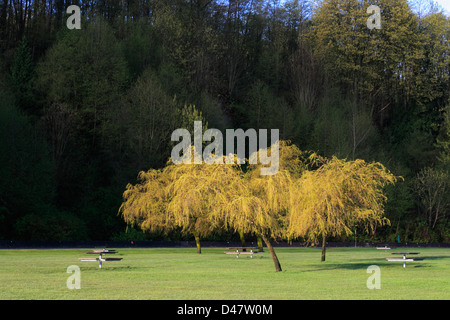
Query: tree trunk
[[241, 236], [197, 242], [273, 254], [324, 245], [260, 244]]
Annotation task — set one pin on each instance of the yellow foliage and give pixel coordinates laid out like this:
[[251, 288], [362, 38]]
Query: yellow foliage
[[309, 196], [144, 203], [337, 196]]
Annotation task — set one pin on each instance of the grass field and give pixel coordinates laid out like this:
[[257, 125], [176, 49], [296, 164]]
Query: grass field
[[176, 274]]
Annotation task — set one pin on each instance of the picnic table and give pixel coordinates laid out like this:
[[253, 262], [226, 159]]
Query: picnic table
[[100, 258], [405, 258], [237, 252], [386, 248]]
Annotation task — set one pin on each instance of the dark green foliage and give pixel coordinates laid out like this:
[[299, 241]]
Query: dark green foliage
[[53, 225], [27, 184], [22, 76], [82, 111]]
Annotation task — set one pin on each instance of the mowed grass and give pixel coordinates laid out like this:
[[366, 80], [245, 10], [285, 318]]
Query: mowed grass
[[182, 274]]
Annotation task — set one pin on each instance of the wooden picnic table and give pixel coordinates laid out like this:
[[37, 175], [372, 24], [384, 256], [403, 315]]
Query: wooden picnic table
[[103, 251], [405, 258], [237, 252], [100, 258]]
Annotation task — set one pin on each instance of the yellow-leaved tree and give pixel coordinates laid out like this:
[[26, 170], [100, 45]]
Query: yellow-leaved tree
[[259, 203], [338, 195], [195, 192], [319, 203], [145, 204], [181, 196]]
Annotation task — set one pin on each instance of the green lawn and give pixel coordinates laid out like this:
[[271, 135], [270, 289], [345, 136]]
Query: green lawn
[[175, 274]]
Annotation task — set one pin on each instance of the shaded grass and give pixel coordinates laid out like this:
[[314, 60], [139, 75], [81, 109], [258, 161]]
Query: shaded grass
[[183, 274]]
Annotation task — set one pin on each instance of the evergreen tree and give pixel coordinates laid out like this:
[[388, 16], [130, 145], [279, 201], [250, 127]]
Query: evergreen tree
[[22, 77]]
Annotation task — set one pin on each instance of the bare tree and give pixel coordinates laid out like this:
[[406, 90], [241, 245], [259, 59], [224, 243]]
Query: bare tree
[[431, 185], [59, 121], [305, 77]]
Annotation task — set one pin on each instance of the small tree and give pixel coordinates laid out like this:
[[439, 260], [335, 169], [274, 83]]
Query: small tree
[[338, 195]]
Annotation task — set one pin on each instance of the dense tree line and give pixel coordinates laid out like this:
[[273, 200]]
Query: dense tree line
[[83, 111]]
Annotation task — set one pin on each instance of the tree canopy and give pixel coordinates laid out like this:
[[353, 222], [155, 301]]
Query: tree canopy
[[337, 197], [294, 202]]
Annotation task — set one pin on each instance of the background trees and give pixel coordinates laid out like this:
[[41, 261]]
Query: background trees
[[103, 100], [432, 188]]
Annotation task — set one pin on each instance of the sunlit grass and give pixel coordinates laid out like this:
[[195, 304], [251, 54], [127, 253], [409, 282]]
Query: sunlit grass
[[183, 274]]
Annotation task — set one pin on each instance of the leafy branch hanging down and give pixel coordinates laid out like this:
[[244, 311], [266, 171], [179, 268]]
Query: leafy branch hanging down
[[337, 196]]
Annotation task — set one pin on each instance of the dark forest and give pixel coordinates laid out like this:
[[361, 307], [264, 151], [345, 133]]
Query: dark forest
[[83, 111]]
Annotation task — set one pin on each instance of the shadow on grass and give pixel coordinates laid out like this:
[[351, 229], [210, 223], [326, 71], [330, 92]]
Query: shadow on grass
[[363, 266], [110, 268], [335, 266], [436, 257]]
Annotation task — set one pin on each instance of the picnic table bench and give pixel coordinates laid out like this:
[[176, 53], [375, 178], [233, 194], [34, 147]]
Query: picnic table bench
[[100, 258], [405, 258], [237, 252], [385, 248]]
